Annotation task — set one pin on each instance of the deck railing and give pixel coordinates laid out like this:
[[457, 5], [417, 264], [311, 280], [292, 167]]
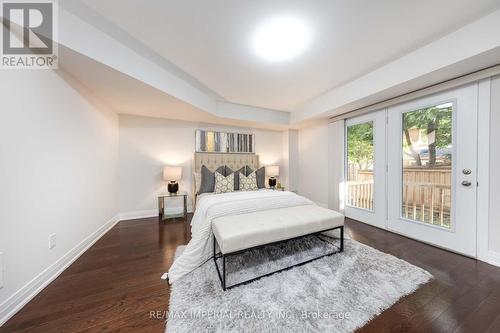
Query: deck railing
[[360, 194], [425, 202]]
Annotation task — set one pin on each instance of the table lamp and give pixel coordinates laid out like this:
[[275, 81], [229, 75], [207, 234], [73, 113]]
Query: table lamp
[[172, 174], [272, 172]]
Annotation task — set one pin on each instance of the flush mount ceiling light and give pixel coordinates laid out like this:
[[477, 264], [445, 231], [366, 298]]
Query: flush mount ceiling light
[[281, 39]]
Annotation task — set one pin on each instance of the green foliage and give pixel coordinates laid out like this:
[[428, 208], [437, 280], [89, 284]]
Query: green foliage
[[427, 120], [439, 119], [360, 145]]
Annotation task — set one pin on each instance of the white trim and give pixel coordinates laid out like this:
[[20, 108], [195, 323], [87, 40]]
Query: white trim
[[336, 154], [21, 297], [421, 93], [483, 169], [139, 214], [494, 258], [142, 214]]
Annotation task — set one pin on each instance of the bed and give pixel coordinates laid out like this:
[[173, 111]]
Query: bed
[[246, 220]]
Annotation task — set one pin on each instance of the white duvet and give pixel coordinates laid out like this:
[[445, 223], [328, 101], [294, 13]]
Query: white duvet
[[211, 206]]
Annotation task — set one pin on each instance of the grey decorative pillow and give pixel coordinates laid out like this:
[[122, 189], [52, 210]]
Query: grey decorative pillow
[[236, 177], [223, 184], [208, 179], [248, 183], [261, 176]]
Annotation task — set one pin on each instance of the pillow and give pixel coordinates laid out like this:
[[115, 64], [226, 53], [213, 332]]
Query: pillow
[[248, 183], [223, 184], [261, 176], [242, 170], [197, 181], [208, 179]]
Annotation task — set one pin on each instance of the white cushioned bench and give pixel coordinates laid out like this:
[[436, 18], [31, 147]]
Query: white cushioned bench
[[236, 233]]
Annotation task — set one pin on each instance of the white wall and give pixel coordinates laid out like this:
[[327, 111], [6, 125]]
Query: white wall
[[290, 162], [58, 174], [313, 163], [148, 144], [494, 227]]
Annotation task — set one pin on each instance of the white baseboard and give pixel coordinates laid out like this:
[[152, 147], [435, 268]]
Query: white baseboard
[[494, 258], [20, 298], [142, 214], [138, 214]]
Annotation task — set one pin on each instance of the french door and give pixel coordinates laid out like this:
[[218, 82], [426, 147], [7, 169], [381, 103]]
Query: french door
[[366, 168], [432, 149], [412, 168]]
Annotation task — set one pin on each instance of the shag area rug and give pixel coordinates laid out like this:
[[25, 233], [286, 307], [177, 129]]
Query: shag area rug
[[338, 293]]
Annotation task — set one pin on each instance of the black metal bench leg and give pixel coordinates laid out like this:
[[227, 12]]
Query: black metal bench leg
[[223, 271], [341, 239], [214, 250]]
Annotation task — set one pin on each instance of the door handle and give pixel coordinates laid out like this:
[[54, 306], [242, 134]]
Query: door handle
[[466, 183]]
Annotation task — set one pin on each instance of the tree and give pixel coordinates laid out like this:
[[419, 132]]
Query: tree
[[360, 145], [428, 120]]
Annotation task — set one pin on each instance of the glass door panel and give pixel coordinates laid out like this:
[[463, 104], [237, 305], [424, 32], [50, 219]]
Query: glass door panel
[[432, 163], [360, 159], [365, 164], [427, 153]]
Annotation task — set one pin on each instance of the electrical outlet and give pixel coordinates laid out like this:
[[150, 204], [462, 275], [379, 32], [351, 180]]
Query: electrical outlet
[[1, 270], [52, 241]]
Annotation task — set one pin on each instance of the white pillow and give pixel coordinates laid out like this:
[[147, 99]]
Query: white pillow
[[197, 181], [223, 184], [248, 183]]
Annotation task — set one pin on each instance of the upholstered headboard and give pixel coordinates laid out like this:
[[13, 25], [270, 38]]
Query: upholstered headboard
[[234, 161]]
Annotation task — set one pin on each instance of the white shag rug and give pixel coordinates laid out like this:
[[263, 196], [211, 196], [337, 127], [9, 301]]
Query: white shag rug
[[338, 293]]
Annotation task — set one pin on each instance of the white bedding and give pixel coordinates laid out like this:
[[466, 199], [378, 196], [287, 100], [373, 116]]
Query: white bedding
[[211, 206]]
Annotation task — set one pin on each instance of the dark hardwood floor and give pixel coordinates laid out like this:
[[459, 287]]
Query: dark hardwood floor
[[116, 284]]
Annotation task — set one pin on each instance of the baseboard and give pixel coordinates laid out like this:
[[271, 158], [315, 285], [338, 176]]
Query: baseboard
[[20, 298], [138, 214], [142, 214], [494, 258]]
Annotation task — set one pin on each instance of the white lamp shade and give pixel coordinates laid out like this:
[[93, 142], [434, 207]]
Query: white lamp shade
[[273, 171], [172, 173]]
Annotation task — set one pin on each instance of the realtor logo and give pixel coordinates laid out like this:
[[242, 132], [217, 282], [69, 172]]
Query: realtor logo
[[28, 32]]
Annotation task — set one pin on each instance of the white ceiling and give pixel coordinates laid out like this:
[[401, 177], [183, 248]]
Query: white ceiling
[[210, 40], [127, 95]]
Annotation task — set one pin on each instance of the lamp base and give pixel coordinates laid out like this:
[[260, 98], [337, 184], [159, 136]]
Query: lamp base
[[173, 187], [272, 182]]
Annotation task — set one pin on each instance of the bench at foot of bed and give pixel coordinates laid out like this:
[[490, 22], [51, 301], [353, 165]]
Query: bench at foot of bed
[[236, 234]]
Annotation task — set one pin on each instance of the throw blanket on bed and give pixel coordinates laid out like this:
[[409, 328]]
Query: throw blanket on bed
[[211, 206]]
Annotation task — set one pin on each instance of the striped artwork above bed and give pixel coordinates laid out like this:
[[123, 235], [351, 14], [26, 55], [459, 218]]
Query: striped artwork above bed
[[224, 142]]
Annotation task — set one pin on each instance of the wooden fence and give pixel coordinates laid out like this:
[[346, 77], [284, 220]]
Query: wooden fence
[[426, 194]]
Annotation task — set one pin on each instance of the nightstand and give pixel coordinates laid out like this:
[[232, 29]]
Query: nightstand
[[276, 188], [161, 204]]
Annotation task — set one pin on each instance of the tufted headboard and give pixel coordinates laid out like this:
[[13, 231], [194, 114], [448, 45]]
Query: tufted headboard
[[234, 161]]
